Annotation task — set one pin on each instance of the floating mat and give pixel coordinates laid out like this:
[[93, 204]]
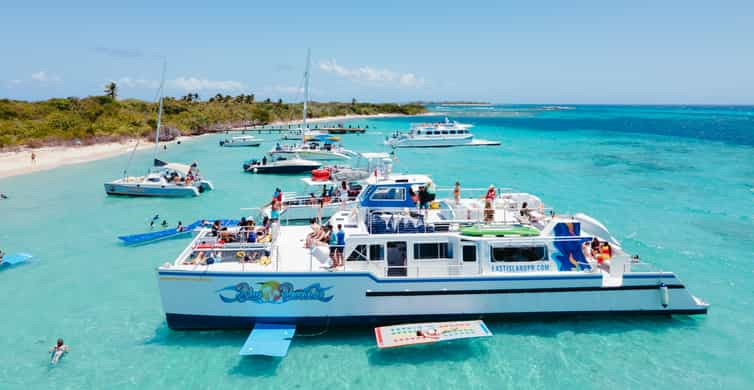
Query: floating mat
[[144, 238], [269, 340], [16, 258], [431, 332]]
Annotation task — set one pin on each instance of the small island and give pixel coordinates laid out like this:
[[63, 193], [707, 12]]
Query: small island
[[102, 119]]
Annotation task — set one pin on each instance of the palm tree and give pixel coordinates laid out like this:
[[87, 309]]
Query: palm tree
[[111, 89], [250, 98]]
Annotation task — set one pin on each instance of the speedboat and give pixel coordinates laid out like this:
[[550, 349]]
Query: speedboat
[[290, 164], [164, 179], [314, 150], [402, 264], [439, 134], [242, 140]]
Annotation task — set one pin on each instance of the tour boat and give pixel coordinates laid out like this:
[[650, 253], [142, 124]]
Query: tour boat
[[281, 164], [402, 264], [241, 140], [440, 134]]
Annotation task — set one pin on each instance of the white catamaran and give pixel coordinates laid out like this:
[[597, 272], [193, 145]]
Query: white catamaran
[[164, 179], [403, 264]]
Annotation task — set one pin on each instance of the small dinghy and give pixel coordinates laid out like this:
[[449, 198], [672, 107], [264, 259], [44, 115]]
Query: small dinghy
[[427, 333]]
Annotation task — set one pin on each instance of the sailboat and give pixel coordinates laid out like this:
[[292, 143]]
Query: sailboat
[[164, 179], [303, 132]]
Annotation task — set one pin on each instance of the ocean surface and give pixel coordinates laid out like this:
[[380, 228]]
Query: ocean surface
[[674, 183]]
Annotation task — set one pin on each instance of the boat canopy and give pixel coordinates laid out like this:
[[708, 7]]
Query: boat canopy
[[183, 169]]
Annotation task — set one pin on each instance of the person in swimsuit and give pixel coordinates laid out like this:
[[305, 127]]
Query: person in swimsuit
[[58, 350], [457, 193]]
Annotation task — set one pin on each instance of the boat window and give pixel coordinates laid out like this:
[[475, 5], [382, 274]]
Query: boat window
[[518, 254], [358, 254], [432, 250], [445, 132], [376, 252], [452, 132], [437, 133], [469, 253], [389, 193]]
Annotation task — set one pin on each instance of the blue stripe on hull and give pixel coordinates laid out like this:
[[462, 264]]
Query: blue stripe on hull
[[188, 322]]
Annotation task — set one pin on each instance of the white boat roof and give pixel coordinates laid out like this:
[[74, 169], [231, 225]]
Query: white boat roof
[[374, 156], [183, 169]]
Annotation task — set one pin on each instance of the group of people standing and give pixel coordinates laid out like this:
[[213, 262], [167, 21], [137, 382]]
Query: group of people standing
[[325, 235]]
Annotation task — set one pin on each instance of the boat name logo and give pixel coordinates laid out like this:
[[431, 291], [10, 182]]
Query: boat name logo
[[274, 292]]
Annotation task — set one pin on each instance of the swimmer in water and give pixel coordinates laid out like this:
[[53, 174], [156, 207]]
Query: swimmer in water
[[57, 351]]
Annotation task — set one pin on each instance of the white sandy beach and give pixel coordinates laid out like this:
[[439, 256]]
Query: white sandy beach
[[19, 163]]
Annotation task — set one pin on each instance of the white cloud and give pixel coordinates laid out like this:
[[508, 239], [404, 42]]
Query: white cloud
[[190, 84], [372, 75], [44, 77], [289, 90], [136, 83]]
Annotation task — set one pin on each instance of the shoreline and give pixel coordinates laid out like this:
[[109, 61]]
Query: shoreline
[[15, 163]]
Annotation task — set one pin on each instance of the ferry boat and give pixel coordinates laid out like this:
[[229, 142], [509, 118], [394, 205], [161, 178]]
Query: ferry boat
[[404, 265], [440, 134], [241, 140]]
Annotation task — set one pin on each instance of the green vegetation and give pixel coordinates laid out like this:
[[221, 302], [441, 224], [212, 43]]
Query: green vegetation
[[104, 118]]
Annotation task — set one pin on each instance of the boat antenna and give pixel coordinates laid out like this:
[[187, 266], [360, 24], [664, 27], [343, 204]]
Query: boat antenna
[[306, 83], [159, 112]]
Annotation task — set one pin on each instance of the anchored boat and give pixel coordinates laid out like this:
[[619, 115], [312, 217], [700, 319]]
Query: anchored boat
[[439, 134], [164, 179], [240, 141], [404, 264]]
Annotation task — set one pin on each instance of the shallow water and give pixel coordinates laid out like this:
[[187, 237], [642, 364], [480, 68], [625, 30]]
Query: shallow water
[[675, 184]]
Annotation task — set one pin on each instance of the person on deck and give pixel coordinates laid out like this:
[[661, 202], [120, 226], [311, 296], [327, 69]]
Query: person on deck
[[341, 243], [490, 193], [264, 160], [457, 193], [343, 194]]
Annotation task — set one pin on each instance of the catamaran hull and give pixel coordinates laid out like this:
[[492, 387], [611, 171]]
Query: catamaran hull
[[198, 300], [141, 189], [314, 155]]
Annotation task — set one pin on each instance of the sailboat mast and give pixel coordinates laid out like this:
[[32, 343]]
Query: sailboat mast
[[306, 83], [159, 112]]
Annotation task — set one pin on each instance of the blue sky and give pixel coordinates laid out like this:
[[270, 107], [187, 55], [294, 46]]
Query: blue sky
[[698, 52]]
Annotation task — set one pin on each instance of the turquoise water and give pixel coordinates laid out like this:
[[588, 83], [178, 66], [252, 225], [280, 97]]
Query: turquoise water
[[675, 184]]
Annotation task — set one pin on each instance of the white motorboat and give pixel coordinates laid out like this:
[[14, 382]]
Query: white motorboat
[[163, 179], [439, 134], [315, 150], [288, 164], [403, 265], [241, 140]]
